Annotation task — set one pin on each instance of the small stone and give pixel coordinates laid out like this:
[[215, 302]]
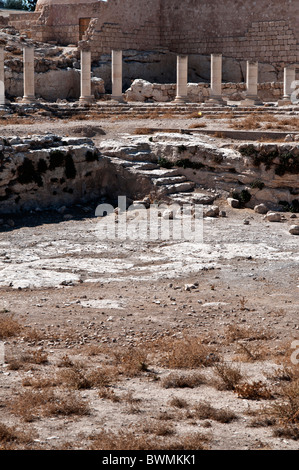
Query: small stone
[[261, 209], [294, 230], [273, 217]]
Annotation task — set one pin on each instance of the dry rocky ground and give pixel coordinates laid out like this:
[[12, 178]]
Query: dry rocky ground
[[114, 344]]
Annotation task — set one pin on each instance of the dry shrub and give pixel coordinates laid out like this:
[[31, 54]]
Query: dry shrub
[[42, 382], [32, 404], [121, 440], [131, 361], [180, 403], [28, 358], [286, 409], [10, 437], [127, 440], [253, 391], [9, 327], [66, 405], [32, 335], [287, 432], [183, 380], [78, 379], [236, 333], [251, 354], [228, 376], [158, 428], [204, 410], [249, 123], [186, 353], [109, 394]]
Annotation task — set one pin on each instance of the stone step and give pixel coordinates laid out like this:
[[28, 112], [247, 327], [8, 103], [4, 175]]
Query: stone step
[[144, 165], [178, 188], [160, 173], [169, 180], [194, 198]]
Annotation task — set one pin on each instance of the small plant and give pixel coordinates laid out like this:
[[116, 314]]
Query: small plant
[[253, 391], [257, 184], [9, 327], [243, 197], [229, 376], [164, 163], [183, 380], [206, 411]]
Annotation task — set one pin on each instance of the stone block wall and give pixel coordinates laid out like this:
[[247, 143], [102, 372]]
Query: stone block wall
[[266, 31], [144, 91]]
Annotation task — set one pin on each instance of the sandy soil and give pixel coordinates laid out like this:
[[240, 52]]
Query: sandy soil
[[92, 300]]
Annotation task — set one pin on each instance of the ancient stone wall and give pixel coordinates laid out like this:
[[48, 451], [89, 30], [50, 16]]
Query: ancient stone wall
[[47, 172], [266, 30]]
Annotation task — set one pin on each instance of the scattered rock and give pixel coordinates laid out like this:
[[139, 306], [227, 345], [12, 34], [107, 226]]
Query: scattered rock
[[211, 212], [294, 230], [261, 209], [188, 287], [273, 217]]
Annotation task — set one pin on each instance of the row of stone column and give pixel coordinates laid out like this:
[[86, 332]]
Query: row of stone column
[[182, 79], [216, 81]]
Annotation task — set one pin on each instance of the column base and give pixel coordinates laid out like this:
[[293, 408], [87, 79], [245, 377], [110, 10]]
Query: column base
[[86, 100], [284, 102], [4, 102], [28, 99], [181, 99]]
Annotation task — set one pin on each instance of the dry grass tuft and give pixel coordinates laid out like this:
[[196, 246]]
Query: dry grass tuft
[[183, 380], [227, 376], [127, 440], [186, 353], [204, 410], [31, 405], [253, 391], [9, 327], [11, 438]]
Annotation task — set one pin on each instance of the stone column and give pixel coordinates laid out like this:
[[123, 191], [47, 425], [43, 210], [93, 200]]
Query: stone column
[[85, 78], [252, 98], [28, 75], [117, 75], [182, 79], [216, 80], [2, 78], [288, 79]]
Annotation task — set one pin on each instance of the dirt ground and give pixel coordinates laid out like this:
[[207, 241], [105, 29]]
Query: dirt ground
[[113, 344]]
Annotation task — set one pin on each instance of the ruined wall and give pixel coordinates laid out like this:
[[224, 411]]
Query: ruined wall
[[47, 172], [266, 30]]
